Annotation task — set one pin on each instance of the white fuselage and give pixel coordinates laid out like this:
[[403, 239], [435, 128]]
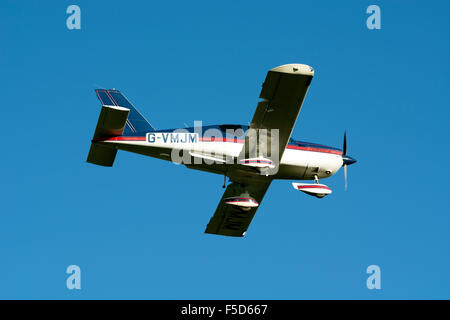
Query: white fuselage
[[303, 163]]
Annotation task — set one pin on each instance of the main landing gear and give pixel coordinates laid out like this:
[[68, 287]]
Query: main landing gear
[[313, 189]]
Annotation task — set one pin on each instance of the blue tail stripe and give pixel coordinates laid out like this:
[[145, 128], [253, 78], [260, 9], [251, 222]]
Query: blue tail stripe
[[136, 123], [104, 98]]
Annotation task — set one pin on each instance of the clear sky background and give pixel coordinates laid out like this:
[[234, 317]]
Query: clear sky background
[[136, 229]]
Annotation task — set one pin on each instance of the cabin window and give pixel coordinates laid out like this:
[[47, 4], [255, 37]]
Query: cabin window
[[238, 131], [225, 127]]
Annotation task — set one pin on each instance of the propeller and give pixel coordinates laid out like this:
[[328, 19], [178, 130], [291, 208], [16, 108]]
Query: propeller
[[344, 148], [345, 176], [347, 160]]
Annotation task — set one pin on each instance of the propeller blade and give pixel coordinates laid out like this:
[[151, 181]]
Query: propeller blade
[[345, 176], [344, 148]]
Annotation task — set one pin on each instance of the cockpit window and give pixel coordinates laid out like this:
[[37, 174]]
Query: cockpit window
[[235, 130], [225, 127]]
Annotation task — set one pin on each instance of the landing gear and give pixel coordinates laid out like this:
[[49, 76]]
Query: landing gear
[[316, 179], [224, 181], [264, 171]]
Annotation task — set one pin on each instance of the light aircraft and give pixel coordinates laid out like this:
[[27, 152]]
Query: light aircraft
[[250, 156]]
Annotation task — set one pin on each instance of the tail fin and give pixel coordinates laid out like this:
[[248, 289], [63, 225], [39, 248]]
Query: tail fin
[[117, 117], [136, 121]]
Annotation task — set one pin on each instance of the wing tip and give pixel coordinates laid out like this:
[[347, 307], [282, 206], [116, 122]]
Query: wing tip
[[225, 234], [295, 68]]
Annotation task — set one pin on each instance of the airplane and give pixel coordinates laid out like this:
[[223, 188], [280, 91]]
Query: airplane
[[251, 157]]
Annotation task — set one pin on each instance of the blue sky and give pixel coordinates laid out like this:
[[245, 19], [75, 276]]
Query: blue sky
[[136, 230]]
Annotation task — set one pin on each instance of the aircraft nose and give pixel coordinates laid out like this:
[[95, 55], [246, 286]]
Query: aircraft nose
[[348, 160]]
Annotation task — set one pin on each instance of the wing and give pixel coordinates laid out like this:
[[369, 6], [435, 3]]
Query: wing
[[283, 91], [229, 220]]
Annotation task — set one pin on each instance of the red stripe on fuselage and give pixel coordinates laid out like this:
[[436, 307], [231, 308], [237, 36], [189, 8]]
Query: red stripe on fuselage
[[214, 139], [120, 139], [314, 149]]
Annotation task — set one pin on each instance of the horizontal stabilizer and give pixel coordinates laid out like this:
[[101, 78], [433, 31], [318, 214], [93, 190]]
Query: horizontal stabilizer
[[102, 155], [111, 121]]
